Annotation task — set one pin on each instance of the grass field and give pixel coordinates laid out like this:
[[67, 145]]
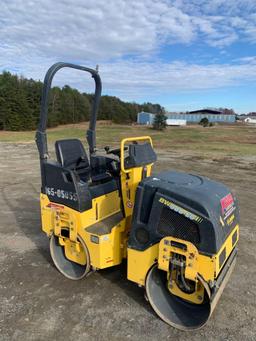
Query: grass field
[[228, 140]]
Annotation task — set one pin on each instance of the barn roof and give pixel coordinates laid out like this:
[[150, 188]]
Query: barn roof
[[206, 111]]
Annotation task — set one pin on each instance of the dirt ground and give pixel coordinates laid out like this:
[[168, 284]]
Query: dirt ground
[[38, 303]]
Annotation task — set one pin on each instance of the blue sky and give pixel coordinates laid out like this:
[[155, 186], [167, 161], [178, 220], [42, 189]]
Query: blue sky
[[184, 54]]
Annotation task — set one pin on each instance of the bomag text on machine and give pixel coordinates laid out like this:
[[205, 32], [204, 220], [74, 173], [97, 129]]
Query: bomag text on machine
[[177, 231]]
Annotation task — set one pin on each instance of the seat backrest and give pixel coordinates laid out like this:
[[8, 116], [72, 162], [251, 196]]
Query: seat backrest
[[70, 153]]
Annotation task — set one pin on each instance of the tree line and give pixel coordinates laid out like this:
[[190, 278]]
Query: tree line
[[20, 105]]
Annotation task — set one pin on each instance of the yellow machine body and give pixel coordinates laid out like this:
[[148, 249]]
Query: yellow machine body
[[105, 249], [198, 266]]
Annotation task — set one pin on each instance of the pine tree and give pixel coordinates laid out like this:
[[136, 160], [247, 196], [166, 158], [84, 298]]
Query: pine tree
[[20, 105], [160, 120], [204, 122]]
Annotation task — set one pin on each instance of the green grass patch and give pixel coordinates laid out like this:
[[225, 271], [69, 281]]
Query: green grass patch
[[231, 140]]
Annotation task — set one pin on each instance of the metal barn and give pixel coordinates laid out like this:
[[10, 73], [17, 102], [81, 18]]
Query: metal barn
[[145, 118]]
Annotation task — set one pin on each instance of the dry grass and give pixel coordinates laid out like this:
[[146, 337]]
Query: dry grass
[[228, 140]]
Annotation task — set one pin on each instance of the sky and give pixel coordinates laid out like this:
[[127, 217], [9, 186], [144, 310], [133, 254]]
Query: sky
[[183, 54]]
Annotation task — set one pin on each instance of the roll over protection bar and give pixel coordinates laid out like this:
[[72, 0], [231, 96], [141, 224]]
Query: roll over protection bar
[[41, 136]]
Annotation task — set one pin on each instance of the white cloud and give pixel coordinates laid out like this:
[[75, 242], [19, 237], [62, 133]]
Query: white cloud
[[135, 79], [109, 29], [101, 29], [124, 37]]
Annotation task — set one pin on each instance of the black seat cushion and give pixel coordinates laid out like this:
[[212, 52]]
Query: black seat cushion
[[71, 154]]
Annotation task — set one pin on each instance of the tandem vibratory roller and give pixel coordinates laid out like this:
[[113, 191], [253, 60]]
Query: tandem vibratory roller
[[177, 231]]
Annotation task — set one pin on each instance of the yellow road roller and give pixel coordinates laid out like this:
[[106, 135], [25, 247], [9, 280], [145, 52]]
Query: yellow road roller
[[178, 232]]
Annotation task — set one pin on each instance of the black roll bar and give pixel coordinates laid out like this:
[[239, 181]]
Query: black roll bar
[[41, 136]]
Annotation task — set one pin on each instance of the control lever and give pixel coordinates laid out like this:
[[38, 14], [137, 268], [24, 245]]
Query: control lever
[[107, 149]]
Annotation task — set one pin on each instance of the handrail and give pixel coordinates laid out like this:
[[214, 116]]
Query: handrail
[[131, 139], [41, 137]]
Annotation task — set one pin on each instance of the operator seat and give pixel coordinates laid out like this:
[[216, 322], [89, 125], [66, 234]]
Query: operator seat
[[71, 154]]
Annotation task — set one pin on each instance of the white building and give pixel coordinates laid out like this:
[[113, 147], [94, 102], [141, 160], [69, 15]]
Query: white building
[[175, 122], [250, 120]]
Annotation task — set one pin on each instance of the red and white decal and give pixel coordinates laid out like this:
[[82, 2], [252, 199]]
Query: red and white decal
[[227, 205], [54, 206]]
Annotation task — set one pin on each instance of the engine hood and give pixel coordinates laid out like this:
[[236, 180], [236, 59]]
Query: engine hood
[[207, 203]]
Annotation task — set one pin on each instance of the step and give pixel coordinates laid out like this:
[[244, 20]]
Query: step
[[105, 226]]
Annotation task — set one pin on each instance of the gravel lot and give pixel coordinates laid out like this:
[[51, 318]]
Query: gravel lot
[[38, 303]]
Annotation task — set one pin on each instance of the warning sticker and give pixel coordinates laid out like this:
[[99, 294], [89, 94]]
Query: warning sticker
[[227, 205], [54, 206], [129, 204]]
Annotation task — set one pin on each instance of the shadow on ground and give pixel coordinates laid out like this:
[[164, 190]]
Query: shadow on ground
[[25, 207], [118, 276]]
